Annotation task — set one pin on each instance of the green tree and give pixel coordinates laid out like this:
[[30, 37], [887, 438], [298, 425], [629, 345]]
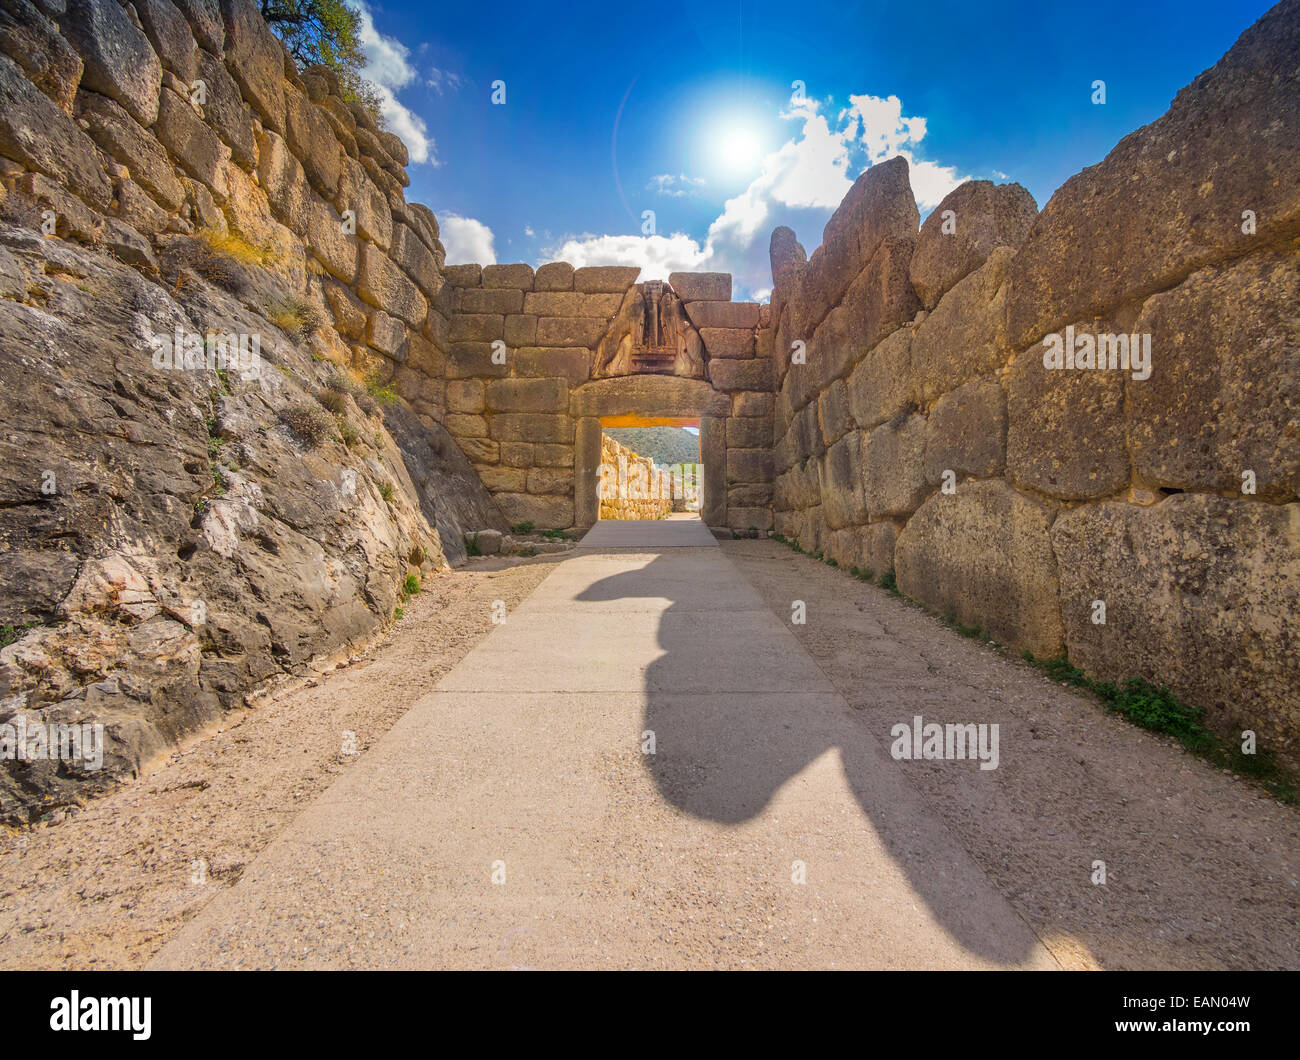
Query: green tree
[[326, 32]]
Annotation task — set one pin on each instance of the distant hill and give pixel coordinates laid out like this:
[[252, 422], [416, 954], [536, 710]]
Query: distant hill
[[663, 445]]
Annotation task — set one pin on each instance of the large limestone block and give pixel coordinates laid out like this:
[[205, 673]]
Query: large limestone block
[[464, 275], [723, 314], [605, 279], [981, 216], [553, 276], [878, 301], [571, 304], [966, 433], [1202, 594], [170, 36], [527, 395], [1224, 392], [750, 433], [120, 137], [226, 111], [34, 131], [283, 180], [256, 58], [325, 237], [33, 42], [663, 396], [1169, 198], [843, 499], [701, 287], [878, 207], [749, 465], [532, 427], [833, 415], [964, 337], [727, 342], [570, 331], [499, 300], [893, 466], [416, 260], [544, 511], [311, 137], [984, 556], [204, 17], [731, 375], [550, 480], [1065, 427], [571, 363], [358, 193], [118, 60], [880, 385], [517, 276], [757, 518], [383, 284], [191, 142]]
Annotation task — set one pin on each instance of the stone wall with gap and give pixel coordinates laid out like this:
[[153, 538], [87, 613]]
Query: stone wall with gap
[[529, 418], [629, 487], [922, 432]]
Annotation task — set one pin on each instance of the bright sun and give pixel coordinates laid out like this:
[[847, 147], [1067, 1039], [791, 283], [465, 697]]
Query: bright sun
[[738, 150]]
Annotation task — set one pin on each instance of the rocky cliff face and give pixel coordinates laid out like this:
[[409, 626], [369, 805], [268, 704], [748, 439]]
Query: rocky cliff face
[[209, 282], [931, 431]]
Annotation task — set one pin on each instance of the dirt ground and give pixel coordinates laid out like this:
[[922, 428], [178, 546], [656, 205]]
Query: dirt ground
[[105, 888], [1202, 868]]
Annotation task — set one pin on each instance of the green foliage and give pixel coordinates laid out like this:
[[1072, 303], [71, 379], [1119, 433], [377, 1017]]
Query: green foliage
[[411, 585], [889, 582], [530, 551], [328, 33], [9, 634], [295, 316], [555, 535], [471, 545], [386, 491], [309, 424], [349, 434], [398, 613], [526, 527], [663, 445], [379, 391]]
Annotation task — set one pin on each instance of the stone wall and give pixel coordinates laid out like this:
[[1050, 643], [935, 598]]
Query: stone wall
[[924, 434], [629, 487], [529, 417], [172, 540]]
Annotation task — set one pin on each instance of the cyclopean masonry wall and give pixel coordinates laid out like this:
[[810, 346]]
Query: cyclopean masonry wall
[[530, 417], [630, 489], [1171, 500], [190, 544]]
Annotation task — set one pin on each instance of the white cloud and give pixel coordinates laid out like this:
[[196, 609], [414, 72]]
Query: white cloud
[[657, 255], [443, 80], [528, 231], [467, 241], [388, 67], [800, 185], [676, 187]]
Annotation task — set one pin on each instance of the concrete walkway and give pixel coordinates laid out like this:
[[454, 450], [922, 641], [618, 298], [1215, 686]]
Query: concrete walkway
[[514, 819]]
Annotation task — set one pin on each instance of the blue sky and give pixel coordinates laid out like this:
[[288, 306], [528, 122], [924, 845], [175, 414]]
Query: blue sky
[[688, 111]]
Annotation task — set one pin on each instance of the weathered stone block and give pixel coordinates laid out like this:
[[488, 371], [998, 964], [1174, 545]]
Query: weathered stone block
[[118, 59], [701, 286], [833, 415], [120, 137], [528, 395], [517, 454], [1224, 389], [966, 433], [880, 384], [464, 275], [498, 300], [843, 499], [983, 556], [386, 334], [325, 238], [1201, 594], [466, 426], [573, 363], [749, 465], [312, 140], [571, 304], [893, 466], [554, 276], [480, 450], [516, 276], [170, 36], [521, 330], [383, 284], [752, 433], [504, 479], [544, 511], [605, 279], [730, 375], [1065, 428], [727, 342], [723, 314], [751, 403], [256, 58], [465, 395], [553, 455], [226, 112], [984, 216], [532, 427], [749, 518], [190, 141], [570, 331], [550, 480]]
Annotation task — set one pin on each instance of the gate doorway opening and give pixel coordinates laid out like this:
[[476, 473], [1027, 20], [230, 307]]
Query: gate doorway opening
[[650, 468]]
